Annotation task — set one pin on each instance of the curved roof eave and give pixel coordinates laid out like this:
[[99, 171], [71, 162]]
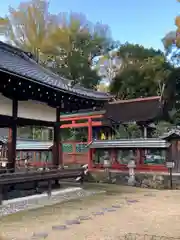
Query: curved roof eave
[[19, 63]]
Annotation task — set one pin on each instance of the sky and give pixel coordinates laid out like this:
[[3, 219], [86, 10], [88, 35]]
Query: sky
[[137, 21]]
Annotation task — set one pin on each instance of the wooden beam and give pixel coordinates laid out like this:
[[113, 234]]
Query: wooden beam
[[79, 125]]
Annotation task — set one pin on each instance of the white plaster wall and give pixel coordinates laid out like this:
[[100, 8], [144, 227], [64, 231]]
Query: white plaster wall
[[5, 106], [4, 132], [28, 109]]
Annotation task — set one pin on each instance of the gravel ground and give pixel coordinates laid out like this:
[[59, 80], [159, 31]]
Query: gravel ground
[[100, 217], [41, 200]]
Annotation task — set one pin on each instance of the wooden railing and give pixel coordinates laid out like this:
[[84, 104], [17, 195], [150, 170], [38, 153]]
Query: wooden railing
[[39, 176]]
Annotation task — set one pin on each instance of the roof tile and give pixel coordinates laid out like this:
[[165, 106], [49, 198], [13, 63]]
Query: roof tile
[[143, 109], [19, 63]]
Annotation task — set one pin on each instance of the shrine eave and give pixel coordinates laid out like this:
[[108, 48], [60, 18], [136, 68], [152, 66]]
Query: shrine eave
[[20, 64], [137, 110]]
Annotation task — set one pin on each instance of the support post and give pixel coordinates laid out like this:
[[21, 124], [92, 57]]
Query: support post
[[171, 180], [1, 194], [12, 137], [89, 140], [49, 191], [145, 132], [82, 178], [57, 149]]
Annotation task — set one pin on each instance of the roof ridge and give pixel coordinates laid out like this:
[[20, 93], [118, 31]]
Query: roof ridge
[[17, 50], [136, 100], [89, 89], [30, 57], [49, 78]]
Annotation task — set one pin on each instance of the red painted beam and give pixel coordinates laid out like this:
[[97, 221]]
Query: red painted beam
[[79, 125]]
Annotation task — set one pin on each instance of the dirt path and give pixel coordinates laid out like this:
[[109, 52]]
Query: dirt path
[[157, 214]]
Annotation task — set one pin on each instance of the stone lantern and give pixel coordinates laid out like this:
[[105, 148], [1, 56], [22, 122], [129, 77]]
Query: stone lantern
[[131, 166], [107, 165]]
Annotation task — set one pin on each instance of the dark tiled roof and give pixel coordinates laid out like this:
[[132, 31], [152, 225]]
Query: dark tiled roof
[[28, 144], [139, 110], [16, 61], [130, 143], [33, 145]]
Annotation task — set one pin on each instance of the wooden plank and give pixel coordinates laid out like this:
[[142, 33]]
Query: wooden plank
[[41, 176]]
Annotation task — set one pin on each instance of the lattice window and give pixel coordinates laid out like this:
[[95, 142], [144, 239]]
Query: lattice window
[[81, 147], [67, 147]]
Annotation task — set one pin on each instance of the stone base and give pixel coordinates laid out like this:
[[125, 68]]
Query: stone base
[[144, 180], [131, 181]]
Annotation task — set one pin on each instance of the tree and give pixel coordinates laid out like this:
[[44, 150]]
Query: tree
[[108, 65], [124, 131], [143, 72], [29, 27], [85, 42], [133, 53], [171, 42], [161, 128], [171, 97], [66, 43]]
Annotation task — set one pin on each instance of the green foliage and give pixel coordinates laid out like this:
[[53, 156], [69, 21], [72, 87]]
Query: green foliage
[[79, 134], [127, 131], [134, 131], [161, 128], [121, 132], [66, 43], [143, 72], [171, 96], [134, 52]]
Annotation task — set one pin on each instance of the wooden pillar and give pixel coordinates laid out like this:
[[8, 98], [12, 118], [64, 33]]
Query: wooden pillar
[[73, 156], [89, 130], [145, 132], [12, 137], [89, 140], [1, 194], [57, 149]]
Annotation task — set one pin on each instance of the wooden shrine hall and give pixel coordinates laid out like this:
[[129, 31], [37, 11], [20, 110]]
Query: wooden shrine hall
[[28, 91]]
